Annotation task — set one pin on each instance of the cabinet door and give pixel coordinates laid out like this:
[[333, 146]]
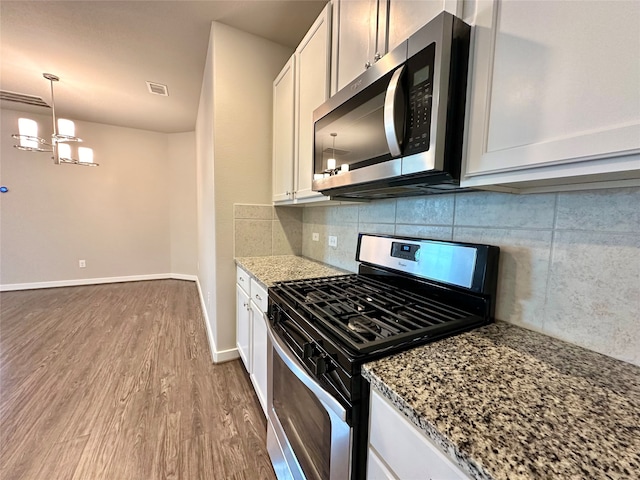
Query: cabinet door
[[554, 102], [404, 449], [407, 16], [243, 327], [312, 89], [283, 133], [259, 357], [355, 37], [376, 469]]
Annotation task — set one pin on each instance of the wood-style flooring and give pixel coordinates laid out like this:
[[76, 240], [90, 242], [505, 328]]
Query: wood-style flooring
[[116, 382]]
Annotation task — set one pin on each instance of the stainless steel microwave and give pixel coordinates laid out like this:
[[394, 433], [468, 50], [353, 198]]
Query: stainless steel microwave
[[397, 129]]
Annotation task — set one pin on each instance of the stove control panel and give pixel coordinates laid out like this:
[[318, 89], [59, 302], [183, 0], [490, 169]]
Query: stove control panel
[[445, 262], [406, 251]]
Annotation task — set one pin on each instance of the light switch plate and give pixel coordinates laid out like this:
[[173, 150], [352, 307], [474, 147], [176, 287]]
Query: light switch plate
[[315, 236], [333, 241]]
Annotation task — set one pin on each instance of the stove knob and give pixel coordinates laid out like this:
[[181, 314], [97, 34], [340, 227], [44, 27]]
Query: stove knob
[[321, 366], [308, 350]]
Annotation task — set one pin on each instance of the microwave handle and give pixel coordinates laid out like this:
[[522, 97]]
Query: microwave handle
[[394, 113]]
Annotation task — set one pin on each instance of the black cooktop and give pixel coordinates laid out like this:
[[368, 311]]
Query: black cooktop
[[366, 313]]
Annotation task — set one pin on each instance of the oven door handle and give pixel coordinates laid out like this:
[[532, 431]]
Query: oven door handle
[[298, 370]]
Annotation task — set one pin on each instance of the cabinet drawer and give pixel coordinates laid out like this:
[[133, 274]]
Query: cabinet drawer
[[244, 280], [259, 295], [406, 450]]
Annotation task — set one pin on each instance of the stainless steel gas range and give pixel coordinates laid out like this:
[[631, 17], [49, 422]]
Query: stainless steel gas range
[[407, 292]]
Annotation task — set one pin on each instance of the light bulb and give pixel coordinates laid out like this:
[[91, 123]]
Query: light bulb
[[64, 151], [66, 127], [85, 154], [28, 128]]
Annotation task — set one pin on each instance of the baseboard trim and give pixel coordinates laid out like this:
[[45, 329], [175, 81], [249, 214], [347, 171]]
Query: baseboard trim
[[7, 287], [216, 355], [226, 355], [205, 316], [183, 276]]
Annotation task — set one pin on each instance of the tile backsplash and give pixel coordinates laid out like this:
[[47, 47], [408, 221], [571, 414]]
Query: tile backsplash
[[262, 230], [569, 262]]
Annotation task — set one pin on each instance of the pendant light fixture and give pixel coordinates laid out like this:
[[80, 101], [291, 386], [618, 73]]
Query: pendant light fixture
[[63, 136], [331, 162]]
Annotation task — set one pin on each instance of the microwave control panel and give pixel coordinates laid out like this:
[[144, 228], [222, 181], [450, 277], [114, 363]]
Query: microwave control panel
[[420, 93]]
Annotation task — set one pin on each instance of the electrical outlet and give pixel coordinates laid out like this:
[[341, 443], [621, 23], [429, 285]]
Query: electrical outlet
[[333, 241], [315, 236], [82, 263]]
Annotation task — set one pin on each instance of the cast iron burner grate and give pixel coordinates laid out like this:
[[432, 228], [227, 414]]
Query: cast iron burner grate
[[369, 315]]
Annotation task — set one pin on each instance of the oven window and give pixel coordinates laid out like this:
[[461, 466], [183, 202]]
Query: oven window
[[304, 420]]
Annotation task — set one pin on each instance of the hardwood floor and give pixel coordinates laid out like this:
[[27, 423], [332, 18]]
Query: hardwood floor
[[115, 382]]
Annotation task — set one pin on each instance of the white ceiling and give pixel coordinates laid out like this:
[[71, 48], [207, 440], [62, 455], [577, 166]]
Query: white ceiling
[[105, 51]]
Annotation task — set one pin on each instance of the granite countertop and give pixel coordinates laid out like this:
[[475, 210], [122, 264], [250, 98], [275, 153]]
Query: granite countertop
[[268, 270], [508, 403]]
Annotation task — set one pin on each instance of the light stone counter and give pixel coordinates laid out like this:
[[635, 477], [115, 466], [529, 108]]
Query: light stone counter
[[277, 268], [508, 403]]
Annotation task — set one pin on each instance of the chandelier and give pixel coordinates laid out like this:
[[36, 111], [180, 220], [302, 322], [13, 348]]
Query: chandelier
[[61, 140]]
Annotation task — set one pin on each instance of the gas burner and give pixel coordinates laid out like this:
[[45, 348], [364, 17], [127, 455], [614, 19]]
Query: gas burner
[[314, 297], [363, 326]]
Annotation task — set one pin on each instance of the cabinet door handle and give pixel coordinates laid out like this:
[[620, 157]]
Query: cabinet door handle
[[258, 297], [367, 65], [241, 279], [377, 57]]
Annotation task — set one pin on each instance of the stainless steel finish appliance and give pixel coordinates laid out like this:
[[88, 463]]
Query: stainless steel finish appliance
[[407, 292], [396, 130]]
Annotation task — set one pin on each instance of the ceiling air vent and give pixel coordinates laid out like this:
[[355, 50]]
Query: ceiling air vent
[[158, 89], [22, 98]]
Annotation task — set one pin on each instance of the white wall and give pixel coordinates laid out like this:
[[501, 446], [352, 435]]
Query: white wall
[[182, 198], [117, 217], [206, 261], [234, 161]]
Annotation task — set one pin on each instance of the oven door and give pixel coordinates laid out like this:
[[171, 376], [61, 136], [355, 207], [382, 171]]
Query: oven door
[[307, 433]]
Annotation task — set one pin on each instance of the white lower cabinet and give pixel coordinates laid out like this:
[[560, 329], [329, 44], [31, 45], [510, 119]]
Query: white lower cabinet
[[399, 450], [243, 326], [251, 331], [376, 469], [259, 359], [259, 306]]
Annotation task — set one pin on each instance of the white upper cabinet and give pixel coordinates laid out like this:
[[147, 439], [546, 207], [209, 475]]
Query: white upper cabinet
[[554, 95], [283, 133], [355, 37], [301, 87], [407, 16], [312, 90], [365, 30]]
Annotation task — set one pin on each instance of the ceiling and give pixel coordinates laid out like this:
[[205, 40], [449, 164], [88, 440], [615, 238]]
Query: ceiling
[[105, 51]]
